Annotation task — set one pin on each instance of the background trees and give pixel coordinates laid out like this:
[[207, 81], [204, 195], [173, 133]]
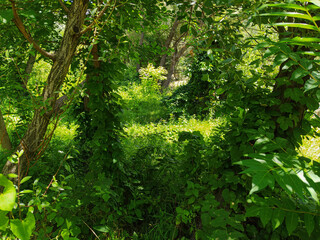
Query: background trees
[[97, 152]]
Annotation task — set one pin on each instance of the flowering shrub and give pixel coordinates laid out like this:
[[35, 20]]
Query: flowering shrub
[[151, 77]]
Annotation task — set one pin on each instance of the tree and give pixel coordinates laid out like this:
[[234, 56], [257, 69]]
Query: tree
[[34, 139]]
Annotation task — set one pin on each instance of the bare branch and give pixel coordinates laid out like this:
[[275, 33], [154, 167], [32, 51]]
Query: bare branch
[[64, 6], [95, 20], [20, 26]]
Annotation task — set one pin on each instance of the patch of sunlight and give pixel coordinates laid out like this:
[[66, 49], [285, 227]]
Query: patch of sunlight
[[310, 148], [171, 128]]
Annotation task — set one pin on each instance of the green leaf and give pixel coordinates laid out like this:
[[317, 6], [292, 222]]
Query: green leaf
[[283, 5], [314, 177], [277, 218], [286, 108], [299, 73], [311, 84], [294, 93], [23, 229], [265, 215], [260, 182], [309, 222], [4, 220], [25, 179], [318, 95], [288, 14], [284, 122], [280, 58], [253, 211], [297, 25], [8, 197], [103, 229], [291, 221], [270, 51], [301, 39]]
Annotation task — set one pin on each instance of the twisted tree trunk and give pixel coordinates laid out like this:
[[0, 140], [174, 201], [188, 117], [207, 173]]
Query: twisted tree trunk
[[33, 140]]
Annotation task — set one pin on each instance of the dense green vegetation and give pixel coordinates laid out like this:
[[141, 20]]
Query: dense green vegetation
[[159, 119]]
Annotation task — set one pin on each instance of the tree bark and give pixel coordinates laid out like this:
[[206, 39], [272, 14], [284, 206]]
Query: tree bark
[[4, 137], [175, 58], [168, 41], [30, 63], [33, 140]]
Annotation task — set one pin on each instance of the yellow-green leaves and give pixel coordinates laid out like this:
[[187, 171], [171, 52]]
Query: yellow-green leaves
[[23, 229], [8, 197]]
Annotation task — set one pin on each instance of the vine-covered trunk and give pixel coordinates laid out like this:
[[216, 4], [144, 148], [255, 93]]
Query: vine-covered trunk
[[4, 137], [33, 141]]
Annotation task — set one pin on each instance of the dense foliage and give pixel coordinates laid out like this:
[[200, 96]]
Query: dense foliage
[[101, 148]]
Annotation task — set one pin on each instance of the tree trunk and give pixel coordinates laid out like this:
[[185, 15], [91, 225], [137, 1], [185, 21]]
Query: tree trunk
[[175, 59], [140, 45], [4, 137], [33, 140], [28, 69], [168, 41]]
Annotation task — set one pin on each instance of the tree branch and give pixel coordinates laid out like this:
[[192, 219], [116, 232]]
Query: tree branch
[[95, 20], [64, 6], [17, 20]]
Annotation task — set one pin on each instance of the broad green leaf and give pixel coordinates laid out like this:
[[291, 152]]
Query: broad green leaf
[[270, 51], [297, 25], [284, 122], [8, 196], [253, 211], [294, 93], [23, 229], [277, 218], [314, 177], [291, 221], [283, 5], [12, 175], [220, 91], [265, 215], [313, 194], [288, 14], [260, 182], [311, 84], [289, 64], [299, 73], [4, 220], [301, 39], [294, 183], [280, 58], [309, 222]]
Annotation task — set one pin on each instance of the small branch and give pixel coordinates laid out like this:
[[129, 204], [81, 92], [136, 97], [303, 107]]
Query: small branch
[[64, 6], [17, 20], [95, 20]]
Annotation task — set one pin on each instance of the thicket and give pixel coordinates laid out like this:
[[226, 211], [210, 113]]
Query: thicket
[[137, 168]]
